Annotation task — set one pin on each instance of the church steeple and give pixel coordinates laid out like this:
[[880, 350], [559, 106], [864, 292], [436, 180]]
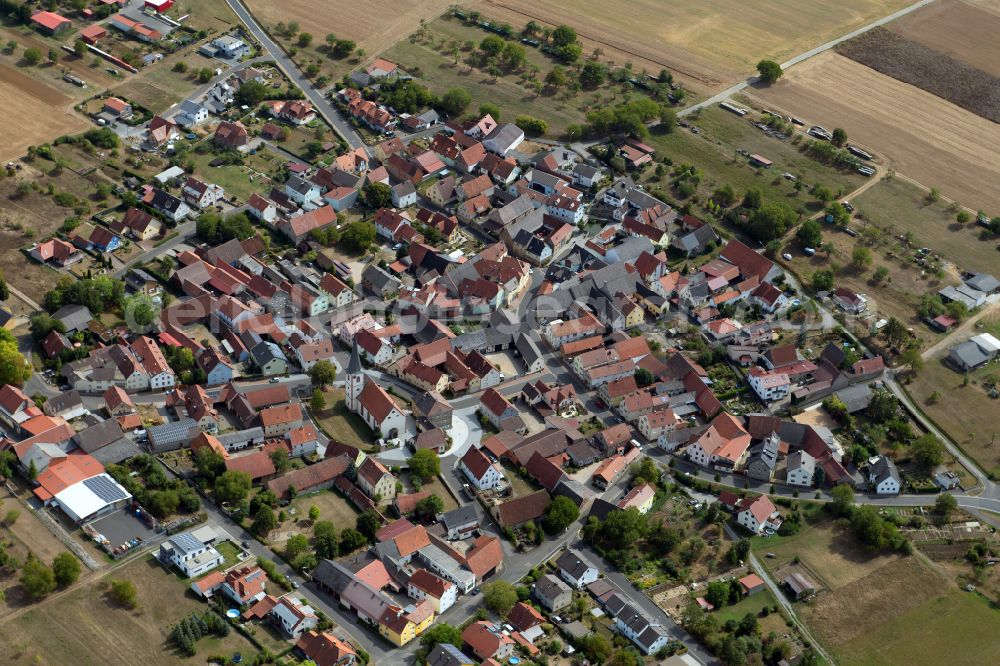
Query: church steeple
[[354, 379], [354, 367]]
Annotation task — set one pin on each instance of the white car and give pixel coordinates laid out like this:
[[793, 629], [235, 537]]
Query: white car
[[786, 256]]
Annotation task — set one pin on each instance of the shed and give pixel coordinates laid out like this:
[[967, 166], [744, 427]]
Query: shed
[[799, 585]]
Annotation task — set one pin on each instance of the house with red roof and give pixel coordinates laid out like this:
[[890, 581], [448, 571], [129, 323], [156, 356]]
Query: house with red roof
[[375, 480], [758, 514], [480, 470], [325, 649], [487, 640], [439, 592], [232, 136], [722, 446]]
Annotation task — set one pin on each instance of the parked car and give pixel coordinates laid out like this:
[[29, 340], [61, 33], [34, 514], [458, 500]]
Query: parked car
[[786, 256]]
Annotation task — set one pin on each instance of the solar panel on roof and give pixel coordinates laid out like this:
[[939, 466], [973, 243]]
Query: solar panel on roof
[[105, 488]]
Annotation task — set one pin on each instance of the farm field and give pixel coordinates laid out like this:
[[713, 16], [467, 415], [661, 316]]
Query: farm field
[[956, 28], [910, 62], [959, 624], [42, 113], [373, 24], [706, 44], [84, 627], [863, 606], [906, 124], [898, 207], [965, 412]]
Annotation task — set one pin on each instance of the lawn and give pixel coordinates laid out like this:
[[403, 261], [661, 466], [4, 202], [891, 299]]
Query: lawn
[[332, 507], [230, 551], [833, 555], [435, 487], [234, 179], [964, 411], [751, 604], [85, 627], [900, 207], [964, 626], [342, 425], [519, 486]]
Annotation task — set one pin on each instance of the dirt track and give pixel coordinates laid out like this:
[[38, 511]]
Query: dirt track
[[932, 141]]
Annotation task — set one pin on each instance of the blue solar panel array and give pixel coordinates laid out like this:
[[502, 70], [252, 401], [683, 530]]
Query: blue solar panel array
[[105, 488]]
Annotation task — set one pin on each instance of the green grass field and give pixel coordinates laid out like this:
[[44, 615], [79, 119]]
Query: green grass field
[[713, 152], [831, 554], [902, 207], [964, 411], [752, 604], [961, 625]]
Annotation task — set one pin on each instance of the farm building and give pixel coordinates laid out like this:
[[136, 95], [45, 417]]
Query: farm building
[[50, 23], [93, 34]]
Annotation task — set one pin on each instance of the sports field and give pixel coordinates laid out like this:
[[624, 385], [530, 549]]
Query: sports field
[[708, 43], [928, 139]]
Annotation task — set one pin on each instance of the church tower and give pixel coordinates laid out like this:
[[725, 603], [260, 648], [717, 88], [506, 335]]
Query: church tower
[[354, 380]]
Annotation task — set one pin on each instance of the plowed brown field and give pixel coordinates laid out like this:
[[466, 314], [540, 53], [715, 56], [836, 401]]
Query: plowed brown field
[[931, 140], [34, 113], [958, 29]]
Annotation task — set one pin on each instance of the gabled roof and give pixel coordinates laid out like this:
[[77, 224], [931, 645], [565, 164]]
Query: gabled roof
[[760, 507], [522, 509], [476, 462]]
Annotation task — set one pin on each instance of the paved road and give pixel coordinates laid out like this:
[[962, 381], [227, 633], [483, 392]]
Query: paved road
[[732, 90], [183, 232], [285, 64]]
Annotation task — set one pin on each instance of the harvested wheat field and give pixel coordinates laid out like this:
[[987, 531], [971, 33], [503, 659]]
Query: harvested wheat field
[[374, 24], [923, 67], [708, 43], [930, 140], [958, 29], [42, 113], [850, 611]]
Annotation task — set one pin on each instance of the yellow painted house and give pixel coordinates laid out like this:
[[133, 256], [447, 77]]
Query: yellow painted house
[[401, 627]]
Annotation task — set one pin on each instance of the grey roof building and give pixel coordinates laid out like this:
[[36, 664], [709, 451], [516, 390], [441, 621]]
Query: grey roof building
[[552, 593], [99, 435], [967, 356], [530, 353], [73, 317], [446, 654], [763, 459], [172, 436], [459, 523], [983, 282]]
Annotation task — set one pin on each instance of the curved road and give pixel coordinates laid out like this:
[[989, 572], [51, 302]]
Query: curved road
[[291, 70]]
